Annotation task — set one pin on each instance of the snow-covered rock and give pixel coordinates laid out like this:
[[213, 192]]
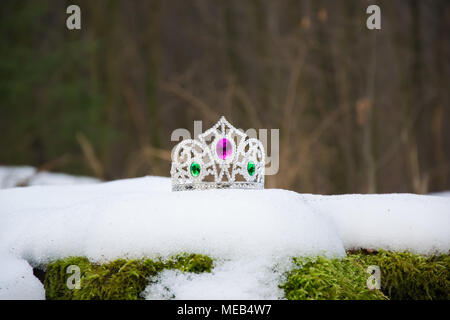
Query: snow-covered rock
[[251, 233], [396, 222]]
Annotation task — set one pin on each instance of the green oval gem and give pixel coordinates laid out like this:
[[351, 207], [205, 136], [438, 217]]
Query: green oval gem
[[195, 169], [251, 168]]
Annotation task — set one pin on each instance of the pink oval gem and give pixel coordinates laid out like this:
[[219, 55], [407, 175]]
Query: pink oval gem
[[224, 148]]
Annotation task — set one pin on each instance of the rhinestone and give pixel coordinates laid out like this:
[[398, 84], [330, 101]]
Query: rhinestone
[[195, 169], [251, 168], [224, 148]]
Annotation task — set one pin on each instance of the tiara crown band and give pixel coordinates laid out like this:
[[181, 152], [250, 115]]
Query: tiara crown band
[[231, 160]]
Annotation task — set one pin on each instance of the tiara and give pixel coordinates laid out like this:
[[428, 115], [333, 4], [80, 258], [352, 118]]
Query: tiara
[[231, 161]]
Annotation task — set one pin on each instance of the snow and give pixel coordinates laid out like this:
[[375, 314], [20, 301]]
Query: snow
[[11, 177], [396, 222], [143, 218], [251, 234], [241, 279], [17, 280]]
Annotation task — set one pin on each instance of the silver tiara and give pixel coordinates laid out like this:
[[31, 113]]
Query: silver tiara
[[231, 161]]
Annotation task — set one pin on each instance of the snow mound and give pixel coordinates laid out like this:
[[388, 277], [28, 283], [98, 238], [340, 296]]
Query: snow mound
[[129, 219], [251, 234], [143, 218], [396, 222], [17, 280]]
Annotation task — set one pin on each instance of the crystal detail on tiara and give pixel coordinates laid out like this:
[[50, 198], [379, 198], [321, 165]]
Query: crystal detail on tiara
[[195, 169], [224, 148], [222, 157], [251, 168]]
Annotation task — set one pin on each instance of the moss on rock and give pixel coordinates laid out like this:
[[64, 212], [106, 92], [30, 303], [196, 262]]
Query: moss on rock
[[329, 279], [407, 276], [403, 276], [117, 280]]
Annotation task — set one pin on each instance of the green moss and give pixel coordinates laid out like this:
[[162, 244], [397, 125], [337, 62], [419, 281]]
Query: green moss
[[190, 263], [403, 276], [56, 277], [329, 279], [117, 280], [409, 276]]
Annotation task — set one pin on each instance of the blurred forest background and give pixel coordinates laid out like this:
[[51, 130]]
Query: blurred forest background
[[358, 110]]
